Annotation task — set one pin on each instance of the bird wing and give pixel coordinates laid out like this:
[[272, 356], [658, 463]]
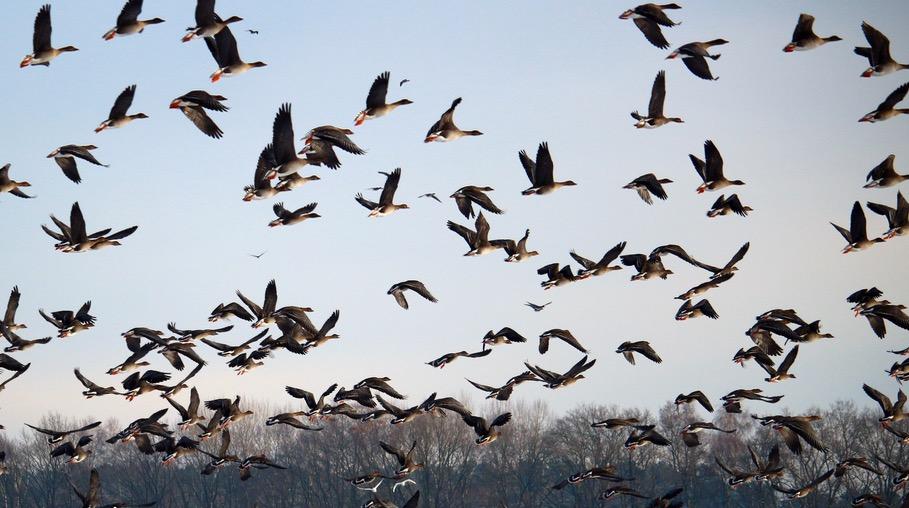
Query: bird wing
[[544, 166], [528, 164], [880, 45], [698, 66], [714, 167], [130, 13], [894, 97], [202, 121], [378, 91], [419, 288], [612, 254], [369, 205], [123, 102], [803, 29], [76, 224], [11, 306], [253, 306], [271, 296], [391, 450], [282, 139], [657, 95], [857, 225], [68, 165], [41, 38], [651, 32], [391, 185], [586, 263], [446, 121], [788, 360]]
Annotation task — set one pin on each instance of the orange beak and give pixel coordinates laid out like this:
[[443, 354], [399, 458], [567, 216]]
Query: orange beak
[[25, 62]]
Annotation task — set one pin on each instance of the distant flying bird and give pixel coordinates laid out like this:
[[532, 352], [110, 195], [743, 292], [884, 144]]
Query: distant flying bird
[[12, 306], [375, 100], [628, 348], [857, 235], [897, 218], [695, 396], [431, 195], [259, 256], [65, 157], [334, 136], [208, 24], [694, 56], [887, 110], [17, 343], [655, 116], [193, 104], [386, 205], [798, 493], [477, 240], [12, 186], [42, 50], [704, 287], [691, 311], [118, 117], [467, 196], [556, 276], [804, 38], [75, 238], [223, 48], [690, 432], [725, 206], [648, 184], [397, 290], [711, 169], [537, 308], [486, 431], [445, 129], [879, 60], [648, 18], [506, 335], [555, 380], [781, 373], [447, 358], [253, 32], [128, 22], [539, 172], [518, 252], [884, 175], [601, 267], [288, 218], [563, 335]]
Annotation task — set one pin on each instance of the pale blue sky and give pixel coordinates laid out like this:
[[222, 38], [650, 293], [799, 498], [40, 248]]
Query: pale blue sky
[[565, 72]]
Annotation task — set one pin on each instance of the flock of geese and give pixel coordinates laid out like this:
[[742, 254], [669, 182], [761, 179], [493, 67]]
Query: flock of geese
[[280, 168]]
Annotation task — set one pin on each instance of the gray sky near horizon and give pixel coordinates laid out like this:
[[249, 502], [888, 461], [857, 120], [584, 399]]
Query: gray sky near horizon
[[564, 72]]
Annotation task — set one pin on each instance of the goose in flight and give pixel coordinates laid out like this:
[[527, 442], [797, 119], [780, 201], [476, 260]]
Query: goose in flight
[[445, 129], [654, 117], [804, 38], [539, 172], [397, 290], [386, 205], [375, 100], [43, 52]]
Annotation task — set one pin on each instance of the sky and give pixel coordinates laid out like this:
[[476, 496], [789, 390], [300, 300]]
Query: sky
[[566, 73]]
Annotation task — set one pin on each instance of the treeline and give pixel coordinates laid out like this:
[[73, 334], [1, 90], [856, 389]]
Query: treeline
[[537, 451]]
